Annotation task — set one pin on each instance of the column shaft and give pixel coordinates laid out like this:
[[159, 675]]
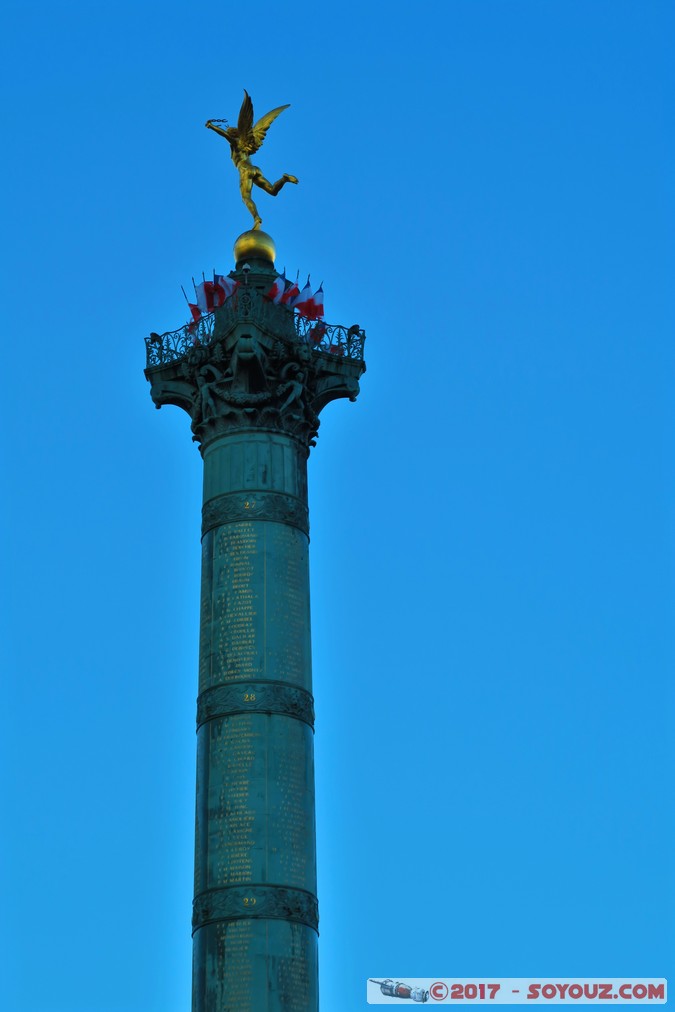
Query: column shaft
[[255, 910]]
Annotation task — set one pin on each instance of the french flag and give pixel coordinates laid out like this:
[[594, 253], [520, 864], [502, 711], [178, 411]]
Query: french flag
[[223, 288], [205, 294], [317, 333], [304, 303], [317, 303], [292, 292], [196, 314], [277, 290]]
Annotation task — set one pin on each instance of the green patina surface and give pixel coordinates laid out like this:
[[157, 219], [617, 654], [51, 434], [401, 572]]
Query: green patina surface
[[254, 384]]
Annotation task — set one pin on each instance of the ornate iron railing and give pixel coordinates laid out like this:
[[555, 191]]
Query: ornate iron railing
[[346, 342], [160, 349], [278, 321]]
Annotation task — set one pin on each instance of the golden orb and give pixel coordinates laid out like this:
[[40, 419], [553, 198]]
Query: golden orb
[[254, 244]]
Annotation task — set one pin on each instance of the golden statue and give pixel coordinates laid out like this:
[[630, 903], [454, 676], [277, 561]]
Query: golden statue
[[244, 140]]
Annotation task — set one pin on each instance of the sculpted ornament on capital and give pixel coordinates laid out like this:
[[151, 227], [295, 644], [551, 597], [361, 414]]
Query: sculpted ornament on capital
[[254, 364], [244, 383]]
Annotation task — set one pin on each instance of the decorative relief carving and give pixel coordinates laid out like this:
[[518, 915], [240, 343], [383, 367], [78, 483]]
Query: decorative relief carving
[[236, 506], [255, 365], [255, 901], [256, 697], [259, 386]]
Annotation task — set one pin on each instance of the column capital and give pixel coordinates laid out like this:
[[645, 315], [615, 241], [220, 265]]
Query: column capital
[[255, 364]]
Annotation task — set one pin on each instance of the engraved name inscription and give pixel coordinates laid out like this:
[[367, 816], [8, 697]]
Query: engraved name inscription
[[255, 605]]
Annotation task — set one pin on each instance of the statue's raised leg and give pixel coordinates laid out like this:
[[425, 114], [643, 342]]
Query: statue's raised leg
[[273, 188]]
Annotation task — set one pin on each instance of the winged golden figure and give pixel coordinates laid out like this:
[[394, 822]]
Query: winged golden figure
[[244, 140]]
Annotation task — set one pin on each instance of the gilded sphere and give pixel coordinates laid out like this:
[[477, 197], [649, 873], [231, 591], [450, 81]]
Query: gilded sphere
[[254, 244]]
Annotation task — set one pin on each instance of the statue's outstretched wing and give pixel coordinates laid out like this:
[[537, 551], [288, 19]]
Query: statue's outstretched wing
[[245, 121], [251, 137], [263, 125]]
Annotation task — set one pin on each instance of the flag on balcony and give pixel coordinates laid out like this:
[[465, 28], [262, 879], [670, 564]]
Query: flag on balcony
[[196, 317], [291, 292], [304, 303], [223, 288], [317, 303], [317, 333], [278, 288], [195, 312], [204, 292]]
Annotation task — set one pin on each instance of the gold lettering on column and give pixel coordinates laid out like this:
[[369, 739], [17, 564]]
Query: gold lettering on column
[[294, 815], [237, 640], [294, 982], [205, 616], [287, 604], [232, 818], [235, 965]]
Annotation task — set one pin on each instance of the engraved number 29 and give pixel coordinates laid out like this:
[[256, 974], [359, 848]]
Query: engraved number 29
[[249, 901]]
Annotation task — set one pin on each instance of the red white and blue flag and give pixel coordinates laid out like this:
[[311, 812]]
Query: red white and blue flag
[[204, 293], [196, 315], [291, 293], [195, 312], [317, 333], [317, 303], [304, 303], [278, 288], [223, 288], [212, 294]]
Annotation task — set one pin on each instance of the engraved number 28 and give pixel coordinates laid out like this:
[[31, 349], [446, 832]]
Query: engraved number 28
[[249, 697]]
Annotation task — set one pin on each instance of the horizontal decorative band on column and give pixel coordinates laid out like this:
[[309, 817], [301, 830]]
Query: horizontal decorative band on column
[[255, 697], [271, 902], [237, 506]]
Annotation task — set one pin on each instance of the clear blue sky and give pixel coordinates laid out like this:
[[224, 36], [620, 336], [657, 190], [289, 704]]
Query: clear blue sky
[[486, 187]]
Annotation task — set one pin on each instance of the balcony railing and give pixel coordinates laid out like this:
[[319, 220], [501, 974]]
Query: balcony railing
[[247, 304]]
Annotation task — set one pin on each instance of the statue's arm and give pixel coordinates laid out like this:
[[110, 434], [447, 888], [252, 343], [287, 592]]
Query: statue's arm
[[217, 129]]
